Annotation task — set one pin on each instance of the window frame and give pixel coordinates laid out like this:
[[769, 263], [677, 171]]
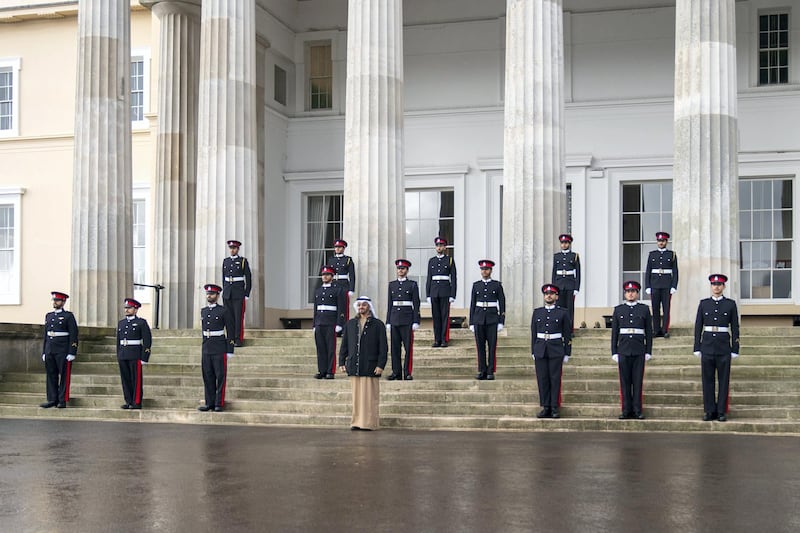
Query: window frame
[[143, 55], [308, 76], [769, 49], [13, 64], [141, 193], [13, 196], [308, 275]]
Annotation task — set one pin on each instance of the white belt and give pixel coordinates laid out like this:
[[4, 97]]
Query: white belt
[[327, 308], [401, 303], [126, 342], [217, 333], [487, 304], [662, 271], [548, 336], [565, 272], [237, 278], [631, 331], [440, 278], [342, 276], [720, 329], [58, 333]]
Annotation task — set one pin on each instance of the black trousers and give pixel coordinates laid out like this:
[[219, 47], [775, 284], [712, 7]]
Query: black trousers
[[566, 299], [486, 343], [58, 371], [715, 368], [402, 335], [215, 371], [548, 376], [660, 299], [130, 372], [440, 311], [631, 377], [236, 308], [325, 340]]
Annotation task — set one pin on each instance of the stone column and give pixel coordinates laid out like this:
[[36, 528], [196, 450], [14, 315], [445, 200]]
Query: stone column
[[227, 188], [534, 184], [374, 199], [102, 238], [176, 160], [705, 216]]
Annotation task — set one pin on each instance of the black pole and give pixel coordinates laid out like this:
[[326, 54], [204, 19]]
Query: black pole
[[157, 311]]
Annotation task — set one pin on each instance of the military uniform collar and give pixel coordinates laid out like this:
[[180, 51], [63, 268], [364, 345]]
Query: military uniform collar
[[338, 255], [548, 307], [234, 256], [326, 285], [402, 279], [211, 306], [58, 310], [631, 304], [440, 256], [717, 299]]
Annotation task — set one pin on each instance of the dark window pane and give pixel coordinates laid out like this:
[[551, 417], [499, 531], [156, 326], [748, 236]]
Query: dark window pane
[[651, 197], [782, 221], [763, 23], [774, 75], [760, 284], [782, 284], [762, 194], [783, 194], [783, 254], [447, 208], [631, 195], [763, 41], [783, 21], [745, 225], [783, 40], [773, 43], [784, 75], [446, 230], [631, 228], [631, 255], [763, 76]]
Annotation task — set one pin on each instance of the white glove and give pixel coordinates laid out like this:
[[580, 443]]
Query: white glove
[[229, 355], [388, 327], [500, 327], [697, 354], [350, 293], [472, 328], [414, 327], [648, 290], [575, 293], [673, 290], [647, 357], [144, 363], [313, 329], [615, 357], [70, 357], [429, 299], [338, 329], [44, 356], [734, 355], [452, 300], [533, 356], [246, 298], [566, 359]]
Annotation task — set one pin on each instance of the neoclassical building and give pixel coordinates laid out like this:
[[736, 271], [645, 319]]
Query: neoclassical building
[[136, 137]]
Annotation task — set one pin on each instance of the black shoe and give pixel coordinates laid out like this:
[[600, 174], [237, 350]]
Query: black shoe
[[709, 417], [329, 376], [61, 405], [624, 416], [204, 408], [639, 416], [666, 334], [554, 413], [544, 413], [393, 377], [444, 345], [409, 377], [218, 409], [354, 428], [47, 405], [124, 406], [436, 344], [722, 418], [480, 376], [658, 334], [136, 406], [319, 375], [490, 377]]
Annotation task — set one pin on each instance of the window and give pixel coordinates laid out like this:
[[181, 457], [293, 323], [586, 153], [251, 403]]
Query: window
[[324, 217], [773, 49], [280, 85], [429, 214], [646, 209], [320, 76], [10, 218], [765, 231], [141, 248], [137, 89], [9, 97]]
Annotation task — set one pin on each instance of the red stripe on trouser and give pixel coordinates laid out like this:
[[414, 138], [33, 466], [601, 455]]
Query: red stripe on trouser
[[666, 323], [494, 358], [560, 382], [137, 398], [572, 318], [224, 380], [410, 354], [346, 307], [241, 330], [67, 377], [332, 370], [641, 392], [447, 326], [728, 396], [478, 352], [621, 397]]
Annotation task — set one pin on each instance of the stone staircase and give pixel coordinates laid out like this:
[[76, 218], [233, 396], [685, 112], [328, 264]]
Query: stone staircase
[[270, 383]]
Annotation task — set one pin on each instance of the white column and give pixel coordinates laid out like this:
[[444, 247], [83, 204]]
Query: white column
[[534, 183], [374, 199], [102, 239], [705, 216], [227, 188], [176, 160]]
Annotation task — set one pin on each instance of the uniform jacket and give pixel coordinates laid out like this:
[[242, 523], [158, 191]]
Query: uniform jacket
[[403, 315], [329, 296], [632, 316], [549, 321], [566, 261], [441, 266], [658, 260], [362, 354], [491, 291], [217, 319], [135, 329], [61, 322], [235, 267], [722, 313], [344, 266]]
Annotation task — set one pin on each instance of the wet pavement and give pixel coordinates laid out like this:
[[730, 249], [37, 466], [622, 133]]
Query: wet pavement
[[118, 477]]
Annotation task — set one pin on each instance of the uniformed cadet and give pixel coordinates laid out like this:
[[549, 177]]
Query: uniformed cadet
[[631, 346], [716, 342], [402, 319], [134, 341], [329, 304], [344, 275], [440, 290], [59, 350], [567, 275], [218, 343], [487, 316], [236, 285], [551, 347], [661, 282]]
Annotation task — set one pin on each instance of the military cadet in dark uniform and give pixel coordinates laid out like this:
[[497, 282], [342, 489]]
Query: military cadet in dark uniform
[[661, 282], [236, 285], [134, 341], [551, 346], [59, 350], [716, 342], [402, 319], [329, 304], [567, 275], [440, 290], [487, 316], [218, 344], [631, 346], [344, 276]]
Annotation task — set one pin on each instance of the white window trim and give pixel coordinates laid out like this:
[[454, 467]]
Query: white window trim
[[13, 196], [143, 54], [14, 63], [141, 191]]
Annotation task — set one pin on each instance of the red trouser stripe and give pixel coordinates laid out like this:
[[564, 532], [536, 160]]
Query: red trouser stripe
[[225, 381], [560, 384], [241, 330], [621, 398], [447, 326], [67, 377], [494, 359], [332, 369], [137, 397], [346, 307], [666, 324], [410, 354]]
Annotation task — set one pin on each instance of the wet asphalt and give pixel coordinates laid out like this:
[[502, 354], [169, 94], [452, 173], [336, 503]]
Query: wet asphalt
[[81, 476]]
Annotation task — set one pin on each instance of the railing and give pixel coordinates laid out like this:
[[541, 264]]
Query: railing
[[157, 305]]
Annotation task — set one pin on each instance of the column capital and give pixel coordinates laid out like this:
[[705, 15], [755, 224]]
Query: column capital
[[169, 7]]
